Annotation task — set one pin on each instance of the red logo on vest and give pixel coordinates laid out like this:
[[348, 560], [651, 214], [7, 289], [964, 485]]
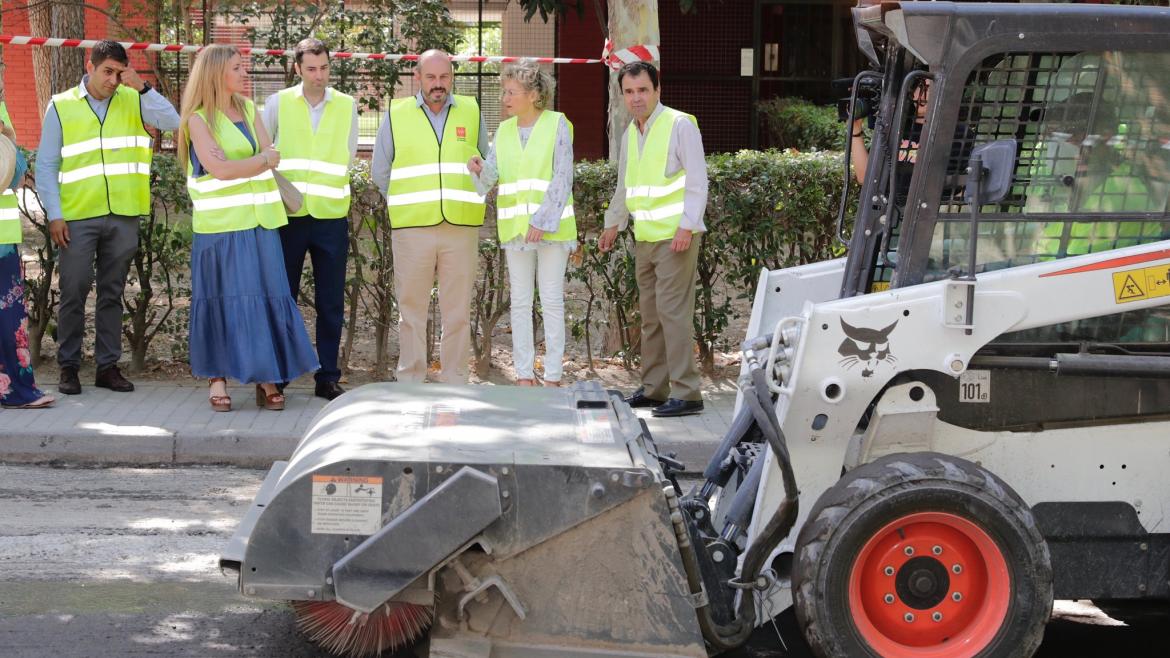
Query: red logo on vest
[[461, 133]]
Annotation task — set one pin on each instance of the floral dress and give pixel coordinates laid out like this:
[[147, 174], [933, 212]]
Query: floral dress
[[17, 386]]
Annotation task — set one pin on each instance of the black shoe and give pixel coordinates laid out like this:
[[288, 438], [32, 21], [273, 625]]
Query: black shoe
[[675, 407], [111, 378], [69, 383], [328, 390], [280, 386], [638, 399]]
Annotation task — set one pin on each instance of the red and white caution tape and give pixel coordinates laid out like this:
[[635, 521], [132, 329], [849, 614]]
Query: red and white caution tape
[[638, 53], [182, 48]]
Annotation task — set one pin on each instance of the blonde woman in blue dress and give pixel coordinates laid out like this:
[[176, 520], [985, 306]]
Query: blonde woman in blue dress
[[532, 159], [244, 322]]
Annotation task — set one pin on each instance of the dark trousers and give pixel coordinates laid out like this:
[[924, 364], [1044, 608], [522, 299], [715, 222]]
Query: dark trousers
[[327, 243], [100, 248]]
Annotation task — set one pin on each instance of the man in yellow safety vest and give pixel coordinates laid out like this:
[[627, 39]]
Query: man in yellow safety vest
[[315, 127], [420, 165], [93, 179], [662, 183]]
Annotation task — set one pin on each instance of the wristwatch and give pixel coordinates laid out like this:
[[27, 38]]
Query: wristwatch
[[145, 88]]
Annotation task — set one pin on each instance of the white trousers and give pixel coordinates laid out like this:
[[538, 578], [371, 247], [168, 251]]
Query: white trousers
[[546, 265]]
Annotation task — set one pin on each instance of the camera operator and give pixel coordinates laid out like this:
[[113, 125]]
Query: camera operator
[[907, 150]]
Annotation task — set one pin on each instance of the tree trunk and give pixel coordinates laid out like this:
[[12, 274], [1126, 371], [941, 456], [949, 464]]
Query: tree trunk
[[68, 63], [40, 23], [631, 23]]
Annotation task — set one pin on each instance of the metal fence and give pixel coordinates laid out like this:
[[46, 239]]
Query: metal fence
[[489, 27]]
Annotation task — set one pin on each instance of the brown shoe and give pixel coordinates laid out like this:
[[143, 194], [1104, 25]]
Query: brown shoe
[[219, 402], [69, 383], [271, 402], [110, 377]]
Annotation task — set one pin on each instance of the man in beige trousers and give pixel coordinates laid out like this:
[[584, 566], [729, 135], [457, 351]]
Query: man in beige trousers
[[662, 183], [420, 165]]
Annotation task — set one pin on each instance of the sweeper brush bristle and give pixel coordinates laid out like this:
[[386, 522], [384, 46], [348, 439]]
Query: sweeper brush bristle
[[344, 631]]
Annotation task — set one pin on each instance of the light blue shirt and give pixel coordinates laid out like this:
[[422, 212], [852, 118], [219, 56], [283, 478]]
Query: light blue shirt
[[157, 111]]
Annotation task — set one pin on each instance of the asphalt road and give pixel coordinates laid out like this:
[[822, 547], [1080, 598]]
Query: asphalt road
[[123, 562]]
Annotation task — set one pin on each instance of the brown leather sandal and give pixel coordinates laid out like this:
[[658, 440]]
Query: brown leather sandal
[[271, 402], [219, 402]]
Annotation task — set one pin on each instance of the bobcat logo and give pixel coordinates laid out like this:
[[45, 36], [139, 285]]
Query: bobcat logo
[[866, 346]]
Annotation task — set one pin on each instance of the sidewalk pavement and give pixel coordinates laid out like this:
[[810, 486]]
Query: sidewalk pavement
[[170, 423]]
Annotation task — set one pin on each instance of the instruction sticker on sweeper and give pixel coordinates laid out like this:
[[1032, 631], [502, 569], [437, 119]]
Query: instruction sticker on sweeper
[[346, 505], [1143, 283]]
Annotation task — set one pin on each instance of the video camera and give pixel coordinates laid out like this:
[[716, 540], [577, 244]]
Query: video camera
[[869, 94]]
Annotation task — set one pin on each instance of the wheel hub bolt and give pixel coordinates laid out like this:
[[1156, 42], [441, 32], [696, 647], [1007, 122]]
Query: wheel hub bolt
[[937, 616], [957, 597], [958, 568], [909, 617], [937, 550], [888, 598], [889, 571], [909, 550]]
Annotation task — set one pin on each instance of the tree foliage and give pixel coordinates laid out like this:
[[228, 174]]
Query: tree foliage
[[377, 26]]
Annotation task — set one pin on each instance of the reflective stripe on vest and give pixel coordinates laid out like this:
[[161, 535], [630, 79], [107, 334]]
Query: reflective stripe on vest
[[105, 165], [9, 213], [9, 218], [236, 204], [654, 200], [316, 162], [1118, 194], [525, 174], [429, 181]]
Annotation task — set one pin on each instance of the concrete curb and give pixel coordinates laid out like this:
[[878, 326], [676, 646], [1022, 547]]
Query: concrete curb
[[168, 424]]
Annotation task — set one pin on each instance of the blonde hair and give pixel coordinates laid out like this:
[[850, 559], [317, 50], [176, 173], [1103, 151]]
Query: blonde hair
[[206, 91], [531, 77]]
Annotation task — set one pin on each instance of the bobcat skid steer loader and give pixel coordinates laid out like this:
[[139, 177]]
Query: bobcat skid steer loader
[[965, 419]]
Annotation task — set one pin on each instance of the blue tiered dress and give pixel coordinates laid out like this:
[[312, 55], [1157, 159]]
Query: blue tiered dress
[[244, 323]]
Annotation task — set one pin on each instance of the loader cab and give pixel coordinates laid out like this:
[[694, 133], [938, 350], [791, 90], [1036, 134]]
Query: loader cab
[[1085, 117], [1091, 126]]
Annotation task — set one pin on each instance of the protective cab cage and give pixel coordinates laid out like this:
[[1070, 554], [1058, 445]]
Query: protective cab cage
[[1086, 116]]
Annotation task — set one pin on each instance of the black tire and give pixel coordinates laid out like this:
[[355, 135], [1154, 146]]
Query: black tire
[[865, 502]]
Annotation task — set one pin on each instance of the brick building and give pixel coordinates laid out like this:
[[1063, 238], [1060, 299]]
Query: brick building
[[717, 63]]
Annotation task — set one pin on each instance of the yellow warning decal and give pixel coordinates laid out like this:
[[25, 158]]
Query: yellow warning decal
[[879, 286], [1144, 283]]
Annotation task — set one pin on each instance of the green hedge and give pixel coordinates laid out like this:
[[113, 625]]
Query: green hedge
[[767, 209], [794, 123]]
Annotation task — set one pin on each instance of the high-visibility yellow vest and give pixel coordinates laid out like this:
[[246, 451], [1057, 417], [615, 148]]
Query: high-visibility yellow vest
[[9, 213], [654, 200], [525, 174], [429, 181], [1118, 194], [105, 165], [316, 162], [236, 204]]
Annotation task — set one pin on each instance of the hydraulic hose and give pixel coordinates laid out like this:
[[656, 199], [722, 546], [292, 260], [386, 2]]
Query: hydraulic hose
[[724, 637], [717, 470]]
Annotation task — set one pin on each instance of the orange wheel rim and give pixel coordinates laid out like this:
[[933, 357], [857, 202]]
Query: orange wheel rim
[[929, 585]]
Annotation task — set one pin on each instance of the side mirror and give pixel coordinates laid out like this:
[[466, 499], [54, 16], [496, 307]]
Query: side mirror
[[998, 160]]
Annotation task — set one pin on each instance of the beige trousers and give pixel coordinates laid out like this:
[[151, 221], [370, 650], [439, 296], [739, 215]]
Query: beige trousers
[[666, 290], [420, 253]]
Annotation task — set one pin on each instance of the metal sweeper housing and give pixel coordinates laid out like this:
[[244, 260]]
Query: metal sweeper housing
[[533, 522]]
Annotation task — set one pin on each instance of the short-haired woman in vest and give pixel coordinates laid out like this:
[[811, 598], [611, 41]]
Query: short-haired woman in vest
[[532, 158], [244, 323], [18, 388]]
